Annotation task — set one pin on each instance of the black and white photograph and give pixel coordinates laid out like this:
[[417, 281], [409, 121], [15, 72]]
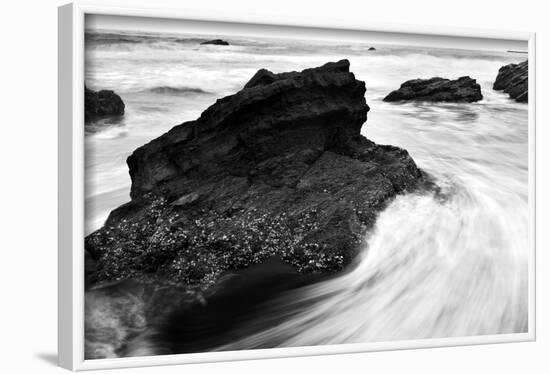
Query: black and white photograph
[[249, 192]]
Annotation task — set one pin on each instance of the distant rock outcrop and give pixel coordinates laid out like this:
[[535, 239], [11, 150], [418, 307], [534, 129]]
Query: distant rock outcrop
[[215, 42], [372, 49], [461, 90], [278, 169], [514, 80], [101, 104]]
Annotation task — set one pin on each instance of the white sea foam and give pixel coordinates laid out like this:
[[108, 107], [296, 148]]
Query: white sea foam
[[430, 269]]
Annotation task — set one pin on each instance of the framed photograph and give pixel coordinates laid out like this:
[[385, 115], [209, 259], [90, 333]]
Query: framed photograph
[[242, 188]]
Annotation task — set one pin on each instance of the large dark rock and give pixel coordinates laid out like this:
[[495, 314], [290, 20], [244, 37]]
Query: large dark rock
[[461, 90], [279, 168], [514, 80], [101, 104], [215, 42]]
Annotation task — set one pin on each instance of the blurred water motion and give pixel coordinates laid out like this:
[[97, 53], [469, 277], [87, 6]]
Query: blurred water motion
[[436, 265]]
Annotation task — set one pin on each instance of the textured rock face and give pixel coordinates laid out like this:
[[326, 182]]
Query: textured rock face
[[101, 104], [461, 90], [298, 115], [215, 42], [514, 80], [279, 168]]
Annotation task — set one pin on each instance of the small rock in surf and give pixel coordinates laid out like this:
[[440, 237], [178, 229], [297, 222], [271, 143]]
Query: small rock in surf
[[215, 42], [101, 104], [461, 90]]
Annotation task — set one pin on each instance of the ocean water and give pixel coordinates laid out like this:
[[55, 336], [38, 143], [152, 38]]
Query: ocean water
[[451, 264]]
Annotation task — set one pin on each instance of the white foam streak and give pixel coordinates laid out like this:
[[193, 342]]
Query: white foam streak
[[430, 269]]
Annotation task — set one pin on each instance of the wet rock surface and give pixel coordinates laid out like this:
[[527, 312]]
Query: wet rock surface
[[101, 104], [513, 79], [277, 169], [461, 90]]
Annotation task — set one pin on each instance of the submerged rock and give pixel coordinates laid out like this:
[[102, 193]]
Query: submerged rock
[[129, 318], [461, 90], [279, 168], [514, 80], [215, 42], [117, 313], [101, 104], [227, 312]]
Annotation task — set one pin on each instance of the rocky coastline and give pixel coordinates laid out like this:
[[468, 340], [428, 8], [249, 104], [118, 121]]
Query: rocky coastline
[[279, 168], [270, 189]]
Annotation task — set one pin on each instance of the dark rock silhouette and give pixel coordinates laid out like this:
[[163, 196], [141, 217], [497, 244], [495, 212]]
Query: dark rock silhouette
[[464, 89], [513, 79], [101, 104], [215, 42], [279, 168], [372, 49]]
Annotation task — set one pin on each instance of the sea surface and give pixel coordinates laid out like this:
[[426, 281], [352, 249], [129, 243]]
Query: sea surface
[[445, 265]]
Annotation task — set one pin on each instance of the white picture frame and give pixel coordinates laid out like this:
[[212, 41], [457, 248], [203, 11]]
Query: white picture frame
[[71, 172]]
